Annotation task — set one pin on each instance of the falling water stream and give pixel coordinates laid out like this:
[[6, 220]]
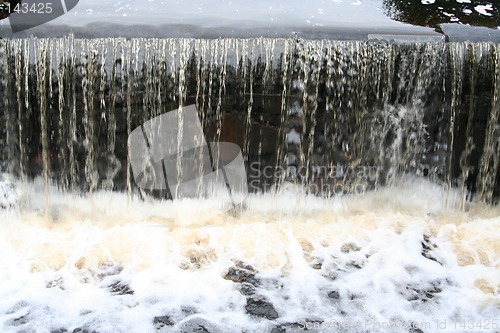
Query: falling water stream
[[301, 106], [372, 168]]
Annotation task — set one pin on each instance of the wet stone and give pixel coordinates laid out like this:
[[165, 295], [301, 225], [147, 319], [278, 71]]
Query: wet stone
[[334, 294], [415, 330], [162, 321], [247, 289], [427, 247], [424, 295], [20, 320], [261, 308], [413, 296], [290, 328], [278, 329], [430, 293], [355, 264], [242, 274], [316, 263], [199, 325], [317, 266], [119, 288], [188, 310], [353, 297]]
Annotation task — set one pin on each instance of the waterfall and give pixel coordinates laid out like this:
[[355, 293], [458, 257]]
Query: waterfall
[[373, 170], [333, 117]]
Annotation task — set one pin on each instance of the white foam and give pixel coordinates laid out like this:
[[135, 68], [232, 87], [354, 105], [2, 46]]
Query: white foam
[[9, 194], [62, 263], [483, 9]]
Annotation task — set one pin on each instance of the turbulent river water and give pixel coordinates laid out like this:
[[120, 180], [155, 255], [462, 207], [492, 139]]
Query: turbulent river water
[[372, 170]]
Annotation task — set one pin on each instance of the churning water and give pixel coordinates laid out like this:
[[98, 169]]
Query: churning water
[[373, 170]]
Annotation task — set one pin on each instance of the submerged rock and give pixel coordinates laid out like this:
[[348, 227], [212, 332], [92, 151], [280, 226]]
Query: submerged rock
[[246, 289], [261, 308], [82, 330], [20, 320], [162, 321], [199, 325], [415, 330], [293, 328], [120, 288], [427, 247], [242, 273], [334, 294]]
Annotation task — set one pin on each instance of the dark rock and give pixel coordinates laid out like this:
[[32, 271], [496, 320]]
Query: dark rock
[[430, 293], [119, 288], [238, 275], [278, 329], [414, 329], [354, 264], [317, 266], [427, 247], [352, 297], [286, 328], [162, 321], [247, 289], [242, 273], [261, 308], [80, 330], [413, 296], [188, 310], [61, 330], [308, 325], [196, 329], [334, 294], [20, 320], [422, 294], [317, 263]]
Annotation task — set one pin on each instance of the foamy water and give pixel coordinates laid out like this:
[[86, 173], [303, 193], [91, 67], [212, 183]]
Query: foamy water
[[413, 254]]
